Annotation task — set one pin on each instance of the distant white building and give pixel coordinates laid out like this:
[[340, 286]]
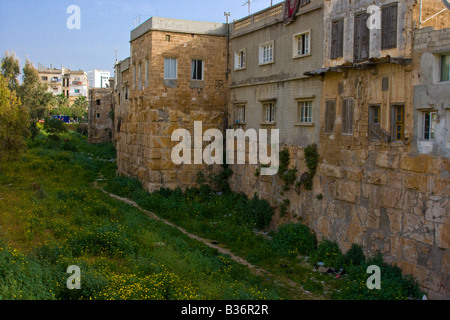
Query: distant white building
[[99, 78]]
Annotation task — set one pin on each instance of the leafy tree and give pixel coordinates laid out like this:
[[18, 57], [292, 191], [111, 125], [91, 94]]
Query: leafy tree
[[10, 70], [54, 127], [33, 93], [14, 121]]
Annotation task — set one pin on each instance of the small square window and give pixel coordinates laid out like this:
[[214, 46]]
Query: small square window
[[266, 53], [302, 44], [98, 102]]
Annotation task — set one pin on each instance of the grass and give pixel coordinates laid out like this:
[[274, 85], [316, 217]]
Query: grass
[[52, 217]]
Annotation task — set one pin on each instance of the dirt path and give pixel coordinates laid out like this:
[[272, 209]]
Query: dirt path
[[258, 271]]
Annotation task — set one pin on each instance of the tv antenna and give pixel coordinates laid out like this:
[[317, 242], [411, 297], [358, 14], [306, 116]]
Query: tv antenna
[[248, 3]]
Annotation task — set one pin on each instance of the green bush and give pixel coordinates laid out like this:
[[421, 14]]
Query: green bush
[[354, 256], [394, 285], [293, 239], [327, 252]]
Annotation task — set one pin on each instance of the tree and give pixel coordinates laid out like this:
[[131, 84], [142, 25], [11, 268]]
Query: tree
[[62, 100], [54, 127], [14, 122], [33, 93], [79, 108], [10, 70]]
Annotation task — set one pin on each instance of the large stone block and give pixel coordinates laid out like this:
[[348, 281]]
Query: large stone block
[[330, 170], [347, 190], [387, 160], [378, 177], [414, 164], [443, 235]]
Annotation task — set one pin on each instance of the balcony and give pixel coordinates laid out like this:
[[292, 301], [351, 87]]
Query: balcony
[[77, 83]]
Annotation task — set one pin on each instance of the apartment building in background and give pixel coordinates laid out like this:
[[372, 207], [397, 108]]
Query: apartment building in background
[[71, 83], [99, 78]]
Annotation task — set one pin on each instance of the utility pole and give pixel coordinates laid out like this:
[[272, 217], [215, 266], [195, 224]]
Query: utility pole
[[227, 15]]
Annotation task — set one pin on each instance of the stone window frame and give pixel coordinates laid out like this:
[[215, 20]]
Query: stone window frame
[[441, 67], [295, 46], [261, 53]]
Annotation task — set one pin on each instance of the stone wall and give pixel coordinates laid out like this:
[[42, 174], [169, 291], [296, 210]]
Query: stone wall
[[100, 121]]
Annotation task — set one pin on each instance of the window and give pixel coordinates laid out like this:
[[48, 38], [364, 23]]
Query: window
[[240, 113], [445, 67], [239, 60], [44, 78], [77, 90], [337, 39], [347, 116], [126, 93], [398, 123], [302, 45], [98, 102], [266, 53], [330, 115], [269, 109], [98, 115], [168, 37], [429, 125], [305, 112], [361, 38], [170, 68], [197, 70], [374, 115], [389, 27]]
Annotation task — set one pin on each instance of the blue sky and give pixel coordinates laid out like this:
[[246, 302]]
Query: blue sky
[[36, 30]]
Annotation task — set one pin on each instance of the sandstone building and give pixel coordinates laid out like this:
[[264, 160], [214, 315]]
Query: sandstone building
[[101, 115], [176, 74]]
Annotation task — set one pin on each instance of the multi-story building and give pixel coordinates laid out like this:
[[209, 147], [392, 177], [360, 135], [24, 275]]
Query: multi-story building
[[72, 84], [99, 78], [176, 75], [378, 190], [270, 52]]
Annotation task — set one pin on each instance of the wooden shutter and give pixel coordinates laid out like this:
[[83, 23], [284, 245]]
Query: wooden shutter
[[361, 38], [389, 27], [347, 116], [337, 41], [330, 115]]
